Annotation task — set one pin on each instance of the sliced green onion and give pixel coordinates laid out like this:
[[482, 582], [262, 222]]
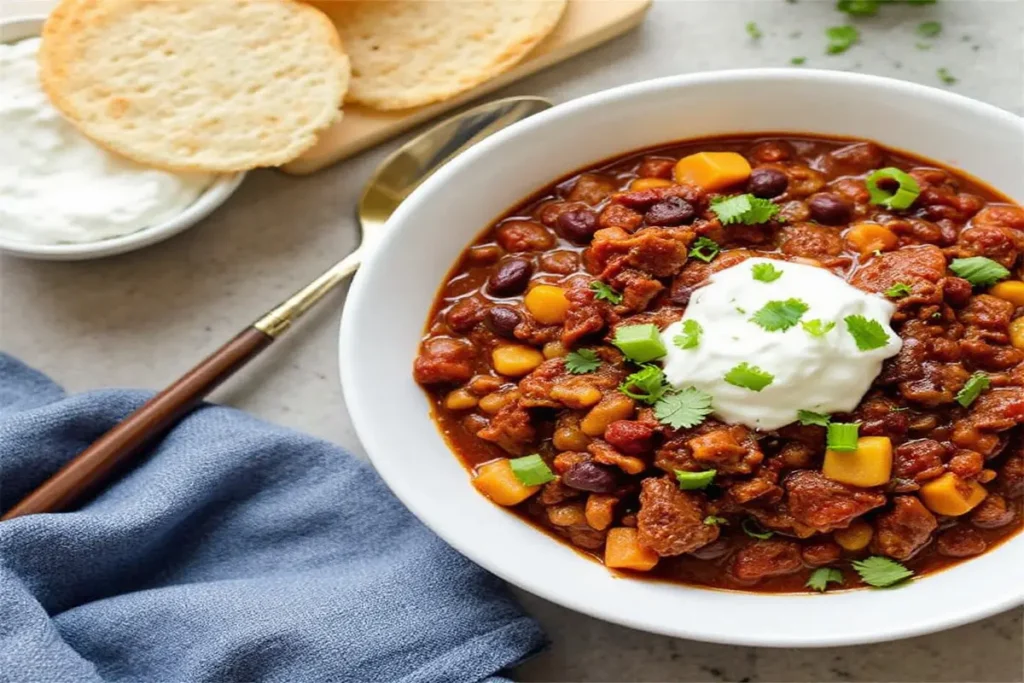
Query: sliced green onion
[[640, 343], [531, 470], [754, 530], [842, 436], [691, 481], [902, 198]]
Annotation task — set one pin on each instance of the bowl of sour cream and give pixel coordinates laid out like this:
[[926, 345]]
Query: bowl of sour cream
[[62, 196]]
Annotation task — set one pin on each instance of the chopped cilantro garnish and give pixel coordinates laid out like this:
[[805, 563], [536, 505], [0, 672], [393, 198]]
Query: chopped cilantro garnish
[[904, 195], [842, 436], [929, 29], [646, 385], [705, 249], [822, 576], [531, 470], [977, 383], [715, 520], [898, 290], [692, 481], [817, 327], [858, 8], [753, 30], [690, 337], [581, 362], [945, 76], [747, 376], [797, 61], [778, 316], [809, 417], [603, 291], [868, 334], [841, 38], [640, 343], [754, 530], [744, 208], [881, 572], [979, 271], [923, 46], [765, 272], [683, 409]]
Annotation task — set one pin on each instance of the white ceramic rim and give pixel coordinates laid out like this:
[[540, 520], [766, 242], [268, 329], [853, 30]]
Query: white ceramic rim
[[222, 187], [370, 427]]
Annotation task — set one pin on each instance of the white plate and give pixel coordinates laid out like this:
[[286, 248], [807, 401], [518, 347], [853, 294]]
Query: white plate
[[389, 301], [12, 30]]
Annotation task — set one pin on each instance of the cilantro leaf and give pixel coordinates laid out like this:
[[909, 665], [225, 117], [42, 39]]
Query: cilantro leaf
[[765, 272], [797, 61], [754, 530], [778, 316], [945, 76], [817, 327], [603, 291], [582, 362], [705, 249], [748, 376], [753, 30], [744, 208], [683, 409], [841, 38], [858, 8], [881, 572], [868, 334], [646, 385], [694, 481], [979, 271], [898, 290], [690, 337], [809, 417], [821, 577], [715, 520], [929, 29], [976, 383]]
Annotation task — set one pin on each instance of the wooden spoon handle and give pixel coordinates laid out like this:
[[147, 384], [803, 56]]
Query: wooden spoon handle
[[98, 461]]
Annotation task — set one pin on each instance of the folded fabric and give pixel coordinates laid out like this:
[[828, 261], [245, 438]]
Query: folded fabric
[[234, 551]]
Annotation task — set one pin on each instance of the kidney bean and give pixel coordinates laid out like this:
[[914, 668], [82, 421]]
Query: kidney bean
[[510, 277], [503, 321], [577, 226], [589, 476], [672, 211], [767, 183], [829, 209]]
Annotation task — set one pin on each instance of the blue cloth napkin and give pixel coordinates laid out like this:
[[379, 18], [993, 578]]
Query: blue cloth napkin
[[235, 551]]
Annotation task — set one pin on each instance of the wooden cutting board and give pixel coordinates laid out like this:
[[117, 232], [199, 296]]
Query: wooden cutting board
[[585, 24]]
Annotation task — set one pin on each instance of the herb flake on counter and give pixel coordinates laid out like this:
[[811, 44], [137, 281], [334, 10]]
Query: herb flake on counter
[[817, 327], [646, 385], [605, 293], [754, 31], [858, 8], [867, 334], [809, 417], [744, 208], [705, 249], [747, 376], [898, 290], [690, 337], [683, 409], [822, 576], [779, 316], [976, 383], [797, 61], [765, 272], [695, 481], [582, 362], [929, 29], [979, 270], [881, 572], [945, 76], [841, 39]]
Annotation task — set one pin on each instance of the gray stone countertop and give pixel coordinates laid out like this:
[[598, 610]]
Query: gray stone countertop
[[141, 319]]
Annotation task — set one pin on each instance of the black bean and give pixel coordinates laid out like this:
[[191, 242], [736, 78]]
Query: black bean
[[829, 209], [767, 183], [672, 211], [589, 476], [577, 226], [503, 320], [510, 277]]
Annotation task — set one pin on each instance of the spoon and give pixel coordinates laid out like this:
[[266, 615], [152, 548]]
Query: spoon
[[393, 181]]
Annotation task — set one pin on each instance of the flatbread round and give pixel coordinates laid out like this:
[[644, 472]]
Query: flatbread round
[[407, 54], [195, 85]]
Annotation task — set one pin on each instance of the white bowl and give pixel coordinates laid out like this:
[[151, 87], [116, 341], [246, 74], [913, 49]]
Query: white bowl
[[389, 301], [12, 30]]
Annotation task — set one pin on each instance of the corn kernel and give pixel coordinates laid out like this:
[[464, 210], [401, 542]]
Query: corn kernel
[[1010, 290], [1017, 333], [570, 439], [554, 350], [515, 360], [576, 396], [854, 537], [460, 399], [611, 408], [648, 184], [566, 515], [547, 304], [492, 403]]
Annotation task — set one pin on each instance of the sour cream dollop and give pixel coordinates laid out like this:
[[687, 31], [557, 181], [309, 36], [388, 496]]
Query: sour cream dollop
[[58, 186], [823, 374]]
